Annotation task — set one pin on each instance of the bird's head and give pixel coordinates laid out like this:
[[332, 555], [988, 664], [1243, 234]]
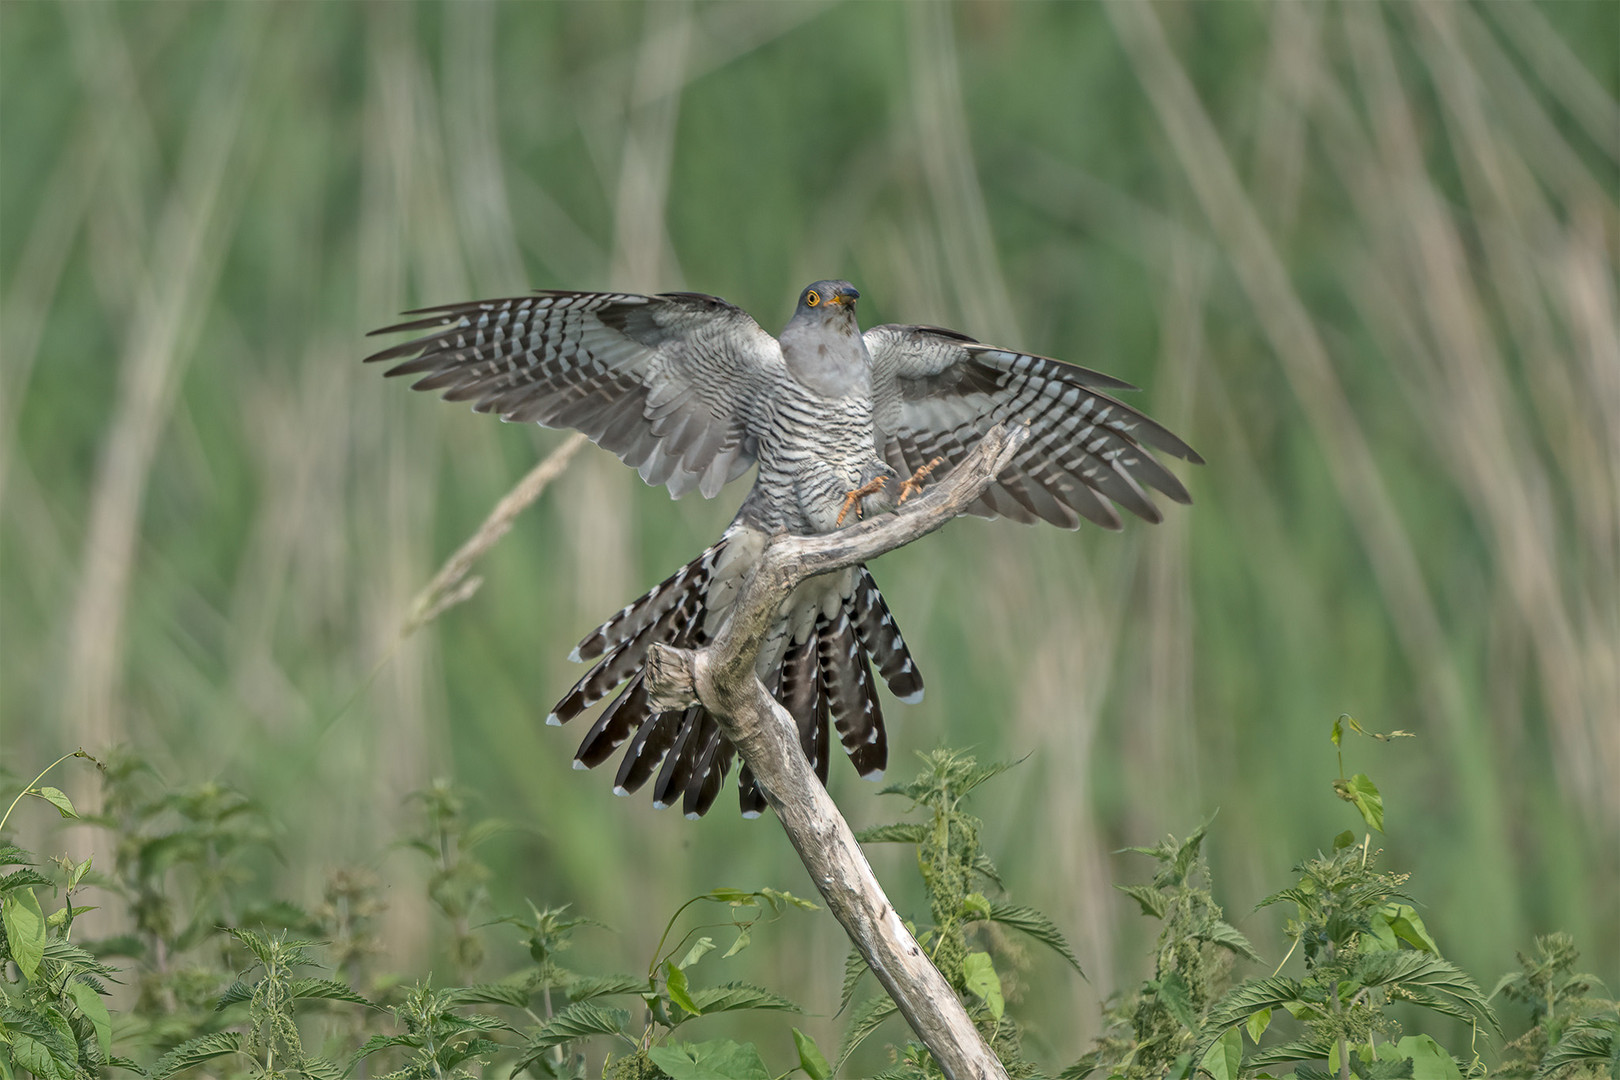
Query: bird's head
[[827, 300]]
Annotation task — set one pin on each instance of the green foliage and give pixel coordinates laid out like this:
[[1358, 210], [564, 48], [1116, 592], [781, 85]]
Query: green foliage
[[299, 1001]]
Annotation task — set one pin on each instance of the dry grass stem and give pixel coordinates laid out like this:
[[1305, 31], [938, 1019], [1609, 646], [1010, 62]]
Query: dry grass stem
[[448, 588]]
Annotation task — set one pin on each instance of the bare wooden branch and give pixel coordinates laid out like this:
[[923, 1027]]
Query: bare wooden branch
[[721, 676]]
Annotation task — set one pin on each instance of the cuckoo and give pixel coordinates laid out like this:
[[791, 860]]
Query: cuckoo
[[692, 392]]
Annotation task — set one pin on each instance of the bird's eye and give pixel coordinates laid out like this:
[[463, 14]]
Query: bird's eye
[[812, 298]]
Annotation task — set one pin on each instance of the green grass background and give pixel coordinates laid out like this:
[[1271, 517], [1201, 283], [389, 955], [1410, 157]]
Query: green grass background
[[1363, 257]]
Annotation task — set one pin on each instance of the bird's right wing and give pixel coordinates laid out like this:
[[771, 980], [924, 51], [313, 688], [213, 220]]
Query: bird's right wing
[[936, 392], [676, 385]]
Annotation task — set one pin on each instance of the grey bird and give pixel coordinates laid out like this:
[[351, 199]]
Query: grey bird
[[690, 391]]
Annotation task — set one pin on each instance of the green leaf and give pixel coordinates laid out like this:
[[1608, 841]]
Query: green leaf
[[35, 1056], [718, 1059], [235, 993], [980, 978], [987, 869], [780, 899], [854, 968], [811, 1059], [730, 997], [901, 832], [1343, 840], [329, 989], [1303, 1050], [12, 855], [1152, 900], [699, 949], [866, 1019], [1428, 980], [1404, 921], [676, 985], [1430, 1061], [25, 929], [742, 942], [1337, 734], [1363, 793], [1257, 1023], [585, 987], [1175, 997], [1250, 996], [975, 906], [1037, 926], [22, 879], [515, 995], [577, 1021], [56, 798], [1224, 934], [95, 1011], [195, 1052], [1224, 1060]]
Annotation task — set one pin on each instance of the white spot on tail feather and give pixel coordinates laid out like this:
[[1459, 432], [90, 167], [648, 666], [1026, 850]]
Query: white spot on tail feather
[[580, 765], [618, 789], [750, 815], [912, 698], [552, 721]]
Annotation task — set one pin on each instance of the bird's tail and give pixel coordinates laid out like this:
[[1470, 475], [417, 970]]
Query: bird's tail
[[825, 677]]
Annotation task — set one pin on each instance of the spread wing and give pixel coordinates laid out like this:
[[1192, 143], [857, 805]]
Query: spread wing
[[936, 392], [674, 384]]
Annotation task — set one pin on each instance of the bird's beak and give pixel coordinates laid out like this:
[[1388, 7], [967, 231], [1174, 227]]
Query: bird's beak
[[846, 299]]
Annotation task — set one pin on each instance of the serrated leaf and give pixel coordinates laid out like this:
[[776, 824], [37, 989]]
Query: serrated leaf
[[195, 1052], [1224, 1060], [1257, 1023], [730, 997], [1177, 1000], [854, 968], [900, 832], [235, 993], [35, 1056], [1036, 925], [585, 987], [1227, 936], [980, 978], [12, 855], [700, 948], [718, 1059], [1410, 969], [95, 1011], [328, 989], [579, 1020], [1301, 1050], [22, 879], [481, 831], [811, 1059], [515, 995], [1250, 996], [1153, 901], [25, 929], [987, 869], [868, 1016], [676, 986]]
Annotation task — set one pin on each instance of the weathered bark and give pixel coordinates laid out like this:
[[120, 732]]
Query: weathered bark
[[721, 676]]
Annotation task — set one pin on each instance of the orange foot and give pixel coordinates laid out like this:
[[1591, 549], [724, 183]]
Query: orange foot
[[914, 485], [854, 497]]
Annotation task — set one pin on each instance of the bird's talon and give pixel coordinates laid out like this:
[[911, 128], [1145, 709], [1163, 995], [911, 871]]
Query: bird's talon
[[854, 498], [914, 485]]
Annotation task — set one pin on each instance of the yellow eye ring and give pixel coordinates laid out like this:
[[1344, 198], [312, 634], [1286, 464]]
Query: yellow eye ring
[[812, 298]]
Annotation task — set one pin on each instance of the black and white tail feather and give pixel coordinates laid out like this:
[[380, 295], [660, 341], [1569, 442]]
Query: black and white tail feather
[[823, 681]]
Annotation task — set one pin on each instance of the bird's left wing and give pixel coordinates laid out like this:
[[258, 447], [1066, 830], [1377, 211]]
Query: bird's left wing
[[936, 392], [675, 384]]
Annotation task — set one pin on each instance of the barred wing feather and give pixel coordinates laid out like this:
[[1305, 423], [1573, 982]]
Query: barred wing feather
[[936, 392], [673, 384]]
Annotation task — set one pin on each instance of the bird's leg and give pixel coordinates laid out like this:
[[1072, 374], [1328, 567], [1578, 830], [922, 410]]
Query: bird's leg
[[871, 487], [914, 485]]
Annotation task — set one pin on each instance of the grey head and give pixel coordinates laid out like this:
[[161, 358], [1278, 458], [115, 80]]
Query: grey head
[[822, 342]]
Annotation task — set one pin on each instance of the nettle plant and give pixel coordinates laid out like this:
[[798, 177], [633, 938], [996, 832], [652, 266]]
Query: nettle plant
[[223, 981]]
